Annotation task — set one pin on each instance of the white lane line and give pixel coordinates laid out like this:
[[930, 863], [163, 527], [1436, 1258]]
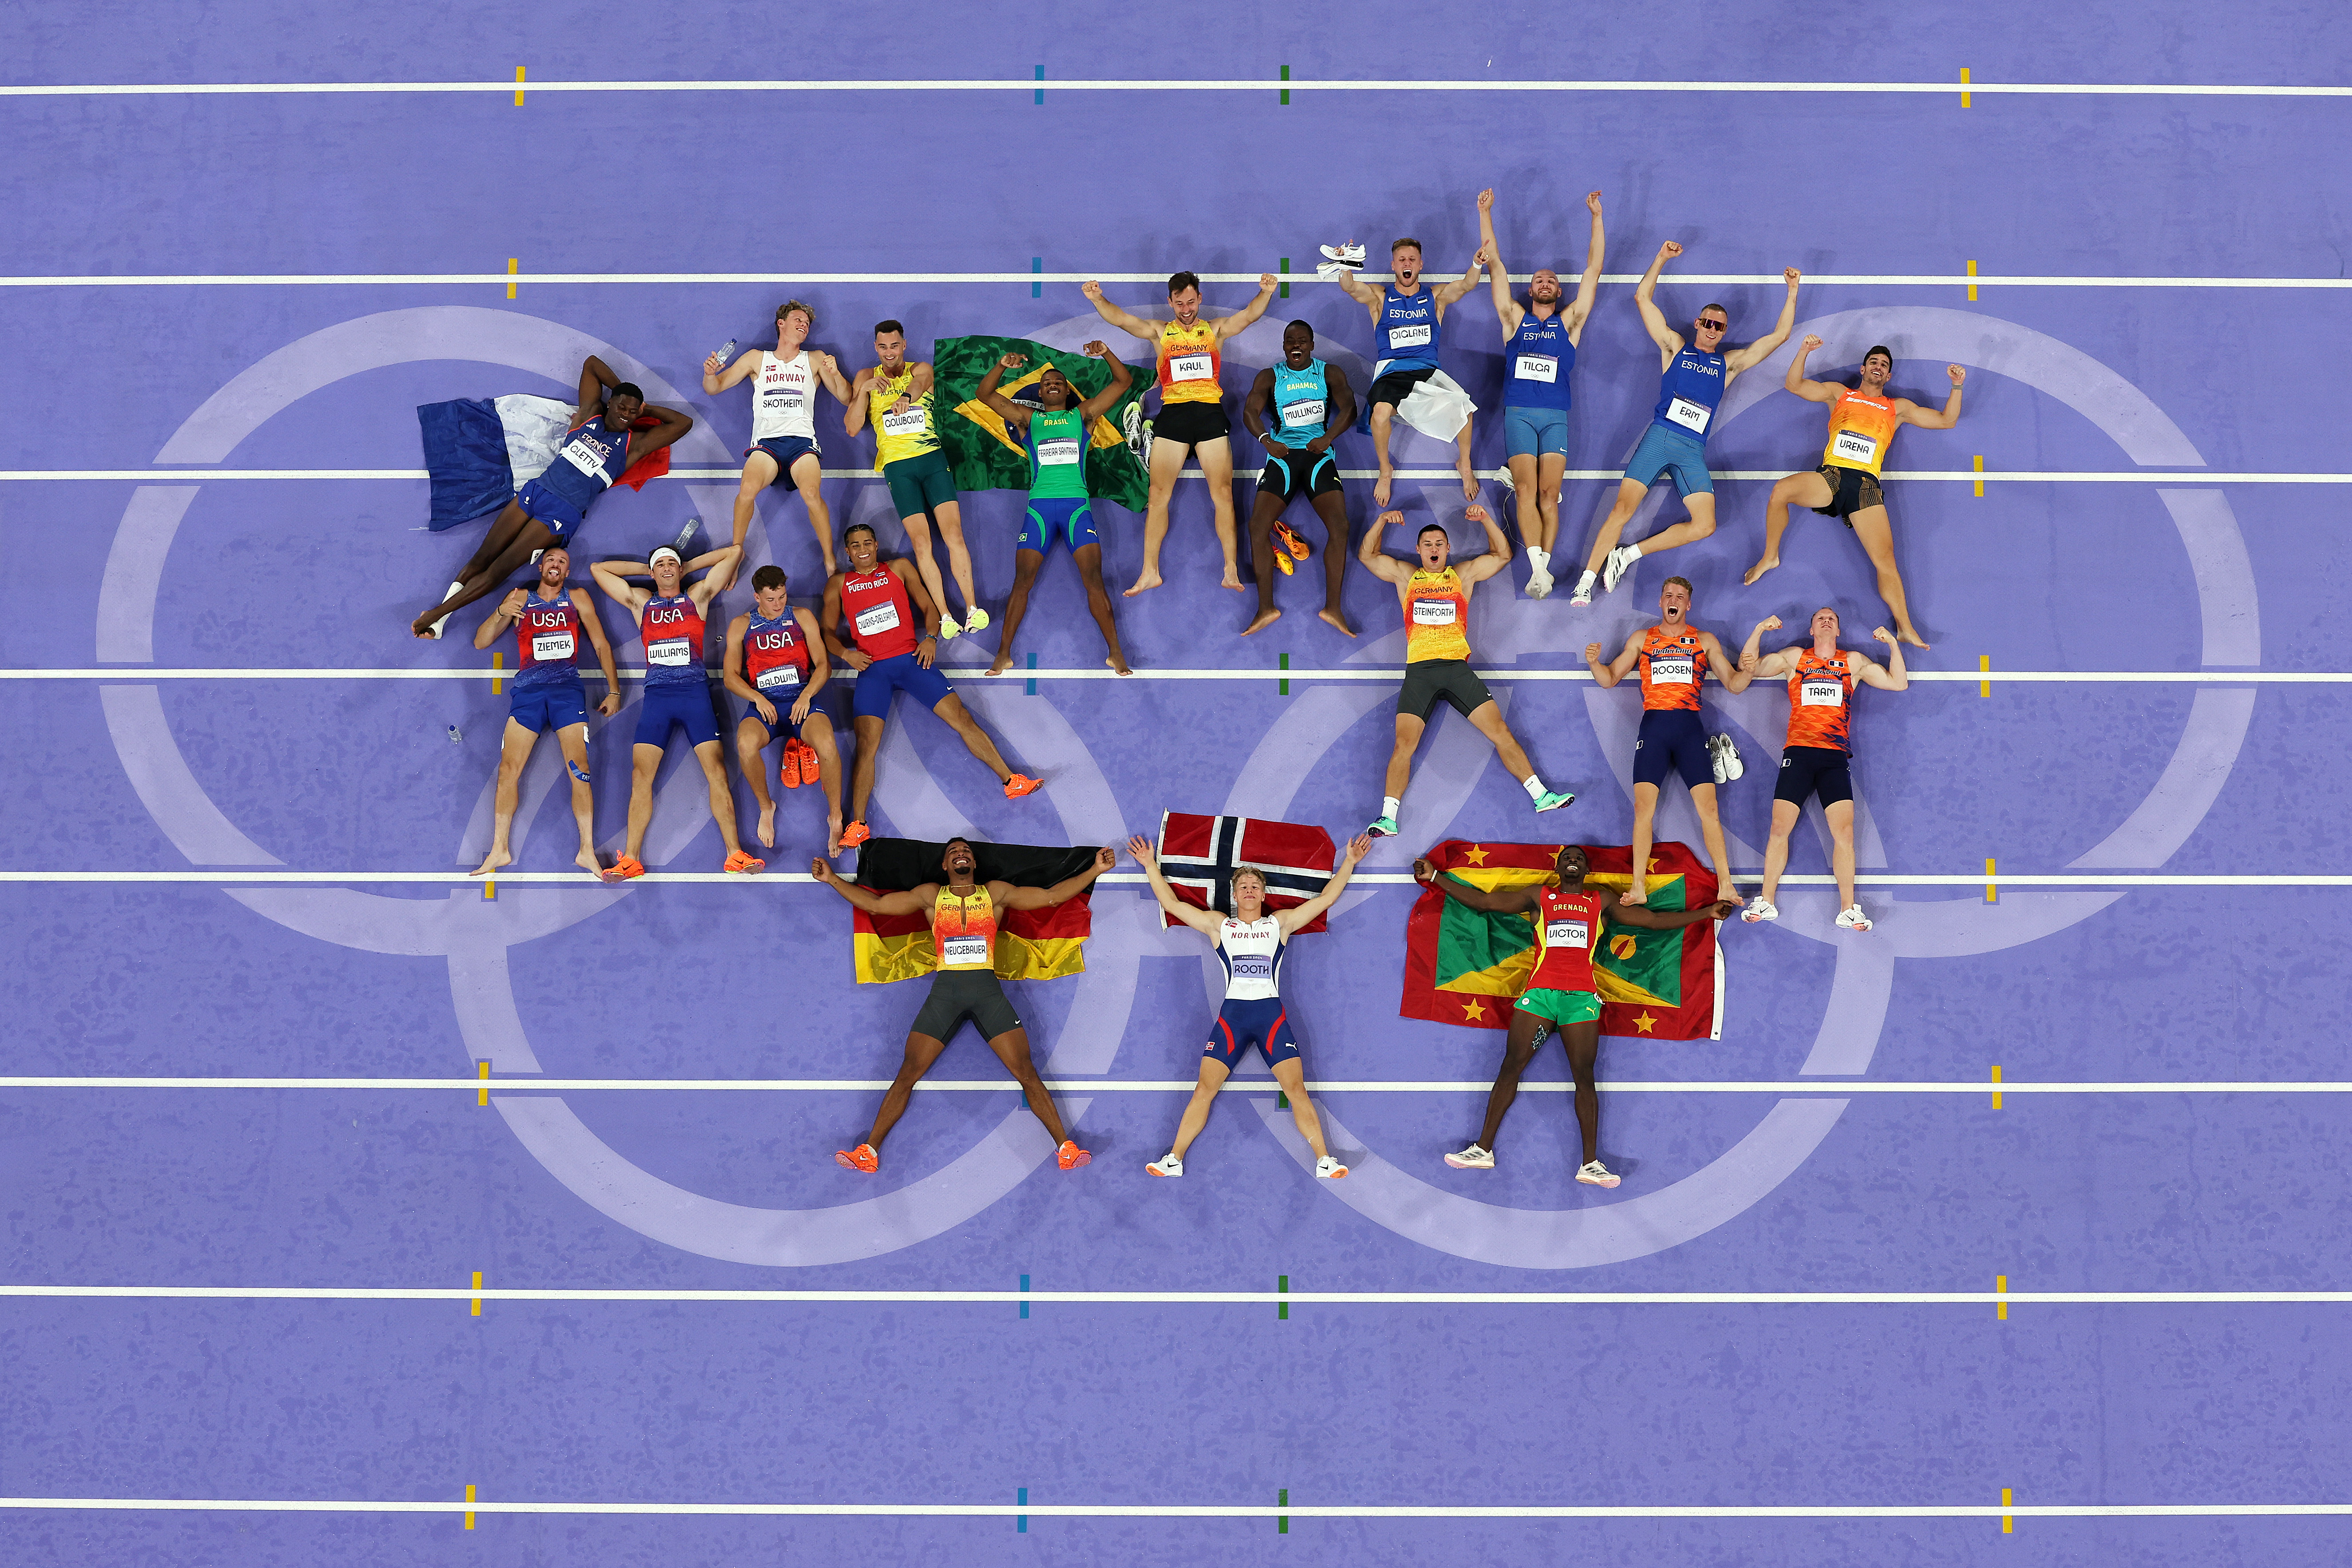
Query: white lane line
[[1209, 1298], [1928, 476], [1400, 878], [677, 279], [1840, 1087], [1365, 673]]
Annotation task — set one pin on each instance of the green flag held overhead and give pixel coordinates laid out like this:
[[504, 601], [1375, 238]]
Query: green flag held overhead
[[987, 456]]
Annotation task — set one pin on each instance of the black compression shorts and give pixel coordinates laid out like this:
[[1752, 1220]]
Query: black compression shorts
[[960, 993], [1452, 679]]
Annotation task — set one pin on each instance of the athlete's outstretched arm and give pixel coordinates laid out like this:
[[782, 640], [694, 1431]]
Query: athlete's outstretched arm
[[1605, 676], [1761, 665], [613, 577], [1654, 321], [1241, 320], [853, 407], [1912, 414], [1291, 918], [1342, 398], [1068, 887], [508, 612], [1134, 325], [913, 901], [594, 624], [1614, 911], [718, 375], [1762, 348], [1735, 679], [920, 386], [1796, 380], [1254, 407], [1206, 921], [1013, 414], [1357, 289], [1589, 285], [920, 597], [1379, 561], [671, 426], [720, 566], [1500, 901], [1891, 676], [1508, 310], [828, 371], [1478, 568], [1445, 294], [596, 375], [1120, 381]]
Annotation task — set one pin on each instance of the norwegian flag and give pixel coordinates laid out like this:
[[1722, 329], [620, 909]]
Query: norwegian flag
[[1198, 854]]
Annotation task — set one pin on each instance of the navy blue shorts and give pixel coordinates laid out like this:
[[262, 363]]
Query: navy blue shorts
[[545, 506], [1672, 740], [1049, 518], [663, 706], [1809, 769], [557, 705], [783, 701], [1535, 432], [879, 681], [787, 450], [1676, 453], [1241, 1025]]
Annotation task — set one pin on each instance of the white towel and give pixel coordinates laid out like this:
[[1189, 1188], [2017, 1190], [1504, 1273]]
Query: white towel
[[1436, 406]]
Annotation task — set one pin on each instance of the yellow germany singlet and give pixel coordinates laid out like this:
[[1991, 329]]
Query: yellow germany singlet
[[1861, 429], [1435, 609], [965, 929], [1190, 358], [898, 436]]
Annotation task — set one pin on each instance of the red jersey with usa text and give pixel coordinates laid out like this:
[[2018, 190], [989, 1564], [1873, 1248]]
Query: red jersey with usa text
[[881, 618], [547, 641], [1821, 701], [1567, 925], [775, 653], [673, 633], [1672, 662]]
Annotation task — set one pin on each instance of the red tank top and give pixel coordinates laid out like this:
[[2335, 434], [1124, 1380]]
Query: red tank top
[[1567, 925], [673, 632], [876, 606], [1672, 664], [547, 641], [775, 654], [1821, 701]]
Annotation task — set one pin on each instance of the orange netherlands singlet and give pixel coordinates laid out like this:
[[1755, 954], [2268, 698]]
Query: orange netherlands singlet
[[1861, 429], [1190, 358], [1672, 665], [1435, 611], [965, 929], [1821, 701]]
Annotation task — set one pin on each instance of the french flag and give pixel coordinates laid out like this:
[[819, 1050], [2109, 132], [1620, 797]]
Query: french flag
[[479, 451], [1198, 854]]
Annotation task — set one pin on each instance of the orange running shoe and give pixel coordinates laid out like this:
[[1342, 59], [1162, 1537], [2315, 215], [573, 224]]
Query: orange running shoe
[[744, 863], [861, 1158], [812, 765], [788, 772], [1287, 537], [855, 834], [1015, 787], [1071, 1156], [621, 870]]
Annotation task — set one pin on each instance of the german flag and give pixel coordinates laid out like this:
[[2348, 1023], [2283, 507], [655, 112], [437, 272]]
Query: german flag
[[1465, 967], [1031, 944]]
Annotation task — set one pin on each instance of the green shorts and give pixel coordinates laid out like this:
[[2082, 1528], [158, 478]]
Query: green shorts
[[1562, 1007], [919, 484]]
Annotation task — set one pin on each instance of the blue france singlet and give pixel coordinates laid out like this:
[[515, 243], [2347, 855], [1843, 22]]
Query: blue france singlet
[[1539, 357], [1408, 329], [1300, 404], [1693, 386], [591, 460]]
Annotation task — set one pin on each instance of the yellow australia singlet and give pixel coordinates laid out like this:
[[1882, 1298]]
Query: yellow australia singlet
[[897, 436], [1861, 429], [1190, 358], [1435, 608], [965, 929]]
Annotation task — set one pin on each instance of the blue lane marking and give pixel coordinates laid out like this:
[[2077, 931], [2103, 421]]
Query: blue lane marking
[[1037, 263], [1041, 92], [1031, 692], [1021, 1521], [1024, 1278]]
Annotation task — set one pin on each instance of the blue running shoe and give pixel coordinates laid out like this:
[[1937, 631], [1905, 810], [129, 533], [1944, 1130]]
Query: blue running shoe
[[1553, 799]]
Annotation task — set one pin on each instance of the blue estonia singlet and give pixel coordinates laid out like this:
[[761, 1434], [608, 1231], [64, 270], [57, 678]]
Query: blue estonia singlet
[[1538, 356], [1692, 386], [590, 462], [673, 633], [547, 642], [1409, 330], [1300, 404]]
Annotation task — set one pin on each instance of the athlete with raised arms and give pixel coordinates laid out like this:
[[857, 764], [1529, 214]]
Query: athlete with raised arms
[[1673, 656], [1436, 597], [1056, 434], [1311, 402], [1540, 342], [1407, 325], [669, 618], [549, 509], [1817, 758], [881, 601], [783, 418], [898, 397], [1188, 354], [1250, 944], [1694, 377], [777, 664], [963, 924], [1561, 994], [1863, 422], [549, 618]]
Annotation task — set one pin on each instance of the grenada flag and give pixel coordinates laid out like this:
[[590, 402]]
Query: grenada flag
[[1466, 967], [1031, 944]]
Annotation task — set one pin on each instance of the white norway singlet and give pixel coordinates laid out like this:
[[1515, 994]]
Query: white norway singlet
[[783, 398], [1252, 953]]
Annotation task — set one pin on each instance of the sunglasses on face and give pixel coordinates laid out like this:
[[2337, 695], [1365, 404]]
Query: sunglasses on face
[[1714, 326]]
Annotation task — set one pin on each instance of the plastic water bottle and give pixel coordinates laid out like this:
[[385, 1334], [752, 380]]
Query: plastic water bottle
[[455, 738], [724, 352]]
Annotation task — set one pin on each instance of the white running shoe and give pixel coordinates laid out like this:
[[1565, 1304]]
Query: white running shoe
[[1620, 560], [975, 620], [1582, 597], [1538, 584], [1166, 1165], [1758, 910], [1352, 253], [1329, 1169], [1594, 1173], [1474, 1158], [1851, 918], [1726, 757], [1138, 432]]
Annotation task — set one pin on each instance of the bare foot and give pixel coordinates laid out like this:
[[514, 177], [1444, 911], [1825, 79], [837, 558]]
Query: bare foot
[[1469, 479], [833, 836], [1143, 584], [1004, 662], [1266, 618], [1380, 487], [1637, 894], [768, 825], [1759, 570], [586, 860], [1909, 634], [1118, 665], [491, 862], [1334, 617]]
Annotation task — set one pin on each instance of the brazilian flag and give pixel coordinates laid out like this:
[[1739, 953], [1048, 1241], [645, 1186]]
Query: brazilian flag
[[1466, 967], [988, 457]]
